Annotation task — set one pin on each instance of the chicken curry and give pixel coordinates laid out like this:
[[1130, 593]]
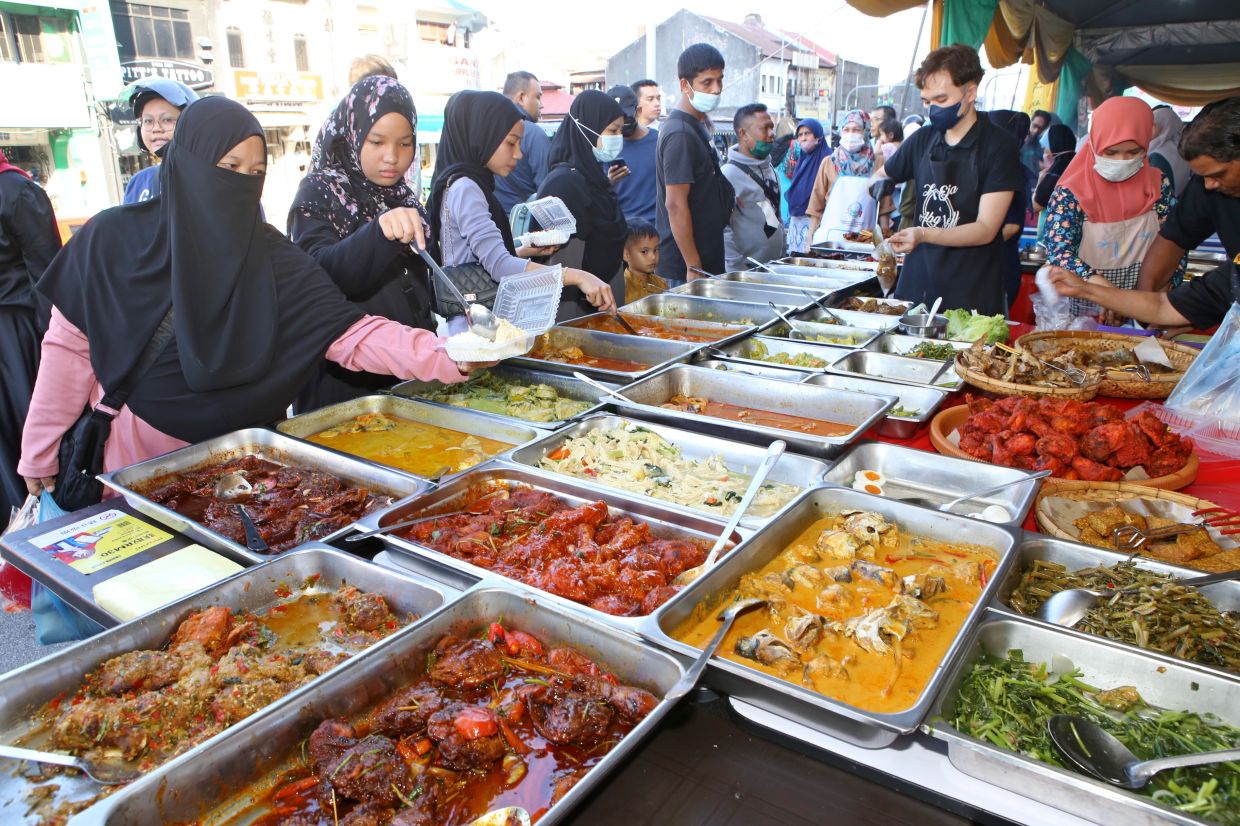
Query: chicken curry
[[417, 447]]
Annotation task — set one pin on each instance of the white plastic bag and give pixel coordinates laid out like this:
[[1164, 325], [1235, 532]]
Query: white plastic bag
[[1211, 387], [1051, 310], [27, 516]]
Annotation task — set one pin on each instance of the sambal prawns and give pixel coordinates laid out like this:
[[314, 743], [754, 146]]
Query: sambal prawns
[[497, 719]]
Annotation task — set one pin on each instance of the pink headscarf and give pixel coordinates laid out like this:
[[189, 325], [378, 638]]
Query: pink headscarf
[[5, 166], [1118, 119]]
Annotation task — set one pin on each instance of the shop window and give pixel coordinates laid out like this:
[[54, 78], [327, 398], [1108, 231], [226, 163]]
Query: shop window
[[433, 32], [301, 53], [144, 31], [236, 52], [43, 39], [6, 48]]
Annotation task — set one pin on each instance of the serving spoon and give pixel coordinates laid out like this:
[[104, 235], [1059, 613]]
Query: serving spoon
[[481, 320], [773, 452], [106, 774], [947, 506], [233, 486], [1096, 751], [759, 264], [792, 328], [601, 388], [694, 672], [1068, 607], [823, 306]]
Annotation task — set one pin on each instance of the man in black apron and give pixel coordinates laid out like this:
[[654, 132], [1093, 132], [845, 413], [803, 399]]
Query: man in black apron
[[965, 171]]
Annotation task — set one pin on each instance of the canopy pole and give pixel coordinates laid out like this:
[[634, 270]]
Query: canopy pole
[[913, 57]]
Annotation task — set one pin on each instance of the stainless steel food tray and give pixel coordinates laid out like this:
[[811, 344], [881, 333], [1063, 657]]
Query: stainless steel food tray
[[829, 264], [864, 728], [455, 496], [211, 789], [567, 386], [1224, 595], [938, 478], [265, 444], [901, 369], [858, 410], [815, 270], [445, 416], [1177, 685], [743, 351], [720, 290], [861, 336], [792, 468], [771, 371], [840, 299], [689, 326], [851, 318], [924, 400], [24, 690], [696, 308], [654, 352], [896, 344], [827, 281]]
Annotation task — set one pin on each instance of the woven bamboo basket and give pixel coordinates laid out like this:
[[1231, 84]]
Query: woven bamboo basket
[[1119, 384], [1115, 492], [1007, 388]]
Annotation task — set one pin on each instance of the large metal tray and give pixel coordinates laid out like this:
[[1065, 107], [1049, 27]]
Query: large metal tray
[[827, 281], [925, 400], [859, 410], [818, 712], [828, 264], [896, 344], [792, 469], [851, 318], [696, 308], [860, 335], [770, 371], [720, 290], [455, 496], [938, 478], [25, 690], [743, 351], [814, 270], [212, 789], [567, 386], [901, 369], [445, 416], [654, 352], [1224, 595], [716, 331], [1176, 685], [265, 444]]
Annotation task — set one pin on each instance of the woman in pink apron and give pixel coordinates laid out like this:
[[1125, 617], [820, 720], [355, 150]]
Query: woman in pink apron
[[1105, 213], [841, 200]]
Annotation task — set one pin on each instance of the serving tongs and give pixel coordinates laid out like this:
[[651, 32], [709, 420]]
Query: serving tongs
[[886, 256], [1143, 372], [1131, 538], [1075, 374]]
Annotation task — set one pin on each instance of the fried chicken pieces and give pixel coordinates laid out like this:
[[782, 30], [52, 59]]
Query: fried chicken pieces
[[1090, 441]]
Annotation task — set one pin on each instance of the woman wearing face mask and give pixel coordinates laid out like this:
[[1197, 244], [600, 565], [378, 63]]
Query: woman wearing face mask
[[813, 150], [588, 137], [840, 200], [481, 138], [250, 314], [1164, 149], [1106, 211], [157, 103], [356, 217]]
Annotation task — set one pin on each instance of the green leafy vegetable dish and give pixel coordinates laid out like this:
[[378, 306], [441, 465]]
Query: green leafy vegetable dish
[[932, 350], [491, 394], [967, 325], [758, 351]]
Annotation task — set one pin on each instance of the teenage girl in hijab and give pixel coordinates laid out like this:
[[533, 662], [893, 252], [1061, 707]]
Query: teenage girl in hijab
[[1165, 148], [840, 200], [1105, 212], [589, 137], [813, 149], [481, 138], [356, 216], [252, 314]]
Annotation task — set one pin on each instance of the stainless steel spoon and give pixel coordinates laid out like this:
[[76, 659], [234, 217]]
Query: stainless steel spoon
[[1096, 751], [106, 774], [947, 506], [1068, 607], [792, 328], [232, 486], [601, 388], [823, 306], [759, 264], [694, 673], [481, 320]]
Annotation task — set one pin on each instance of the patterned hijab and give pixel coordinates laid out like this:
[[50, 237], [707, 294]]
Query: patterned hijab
[[859, 164], [336, 190]]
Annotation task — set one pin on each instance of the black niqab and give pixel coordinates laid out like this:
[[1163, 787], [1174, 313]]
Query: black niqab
[[475, 124]]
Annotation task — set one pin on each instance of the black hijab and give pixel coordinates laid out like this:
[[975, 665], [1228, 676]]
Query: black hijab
[[474, 125], [253, 314], [594, 204], [1062, 143], [1014, 123]]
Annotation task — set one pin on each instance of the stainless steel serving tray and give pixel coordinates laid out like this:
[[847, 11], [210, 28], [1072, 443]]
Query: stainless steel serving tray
[[455, 496], [792, 469], [828, 264], [864, 728], [655, 352], [900, 369], [445, 416], [1224, 595], [720, 290], [938, 478], [743, 351], [925, 400], [688, 326], [826, 281], [860, 335], [858, 410], [896, 344], [696, 308], [25, 690], [567, 386], [212, 789], [815, 270], [1176, 685], [770, 371], [851, 318], [840, 299], [265, 444]]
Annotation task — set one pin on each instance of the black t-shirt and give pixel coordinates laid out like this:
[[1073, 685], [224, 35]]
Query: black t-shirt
[[1205, 300], [684, 155], [1200, 213]]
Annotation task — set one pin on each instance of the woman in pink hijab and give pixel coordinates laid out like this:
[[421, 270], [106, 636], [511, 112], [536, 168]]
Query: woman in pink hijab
[[1106, 211]]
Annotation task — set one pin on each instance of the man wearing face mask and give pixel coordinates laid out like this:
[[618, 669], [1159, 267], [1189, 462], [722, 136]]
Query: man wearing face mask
[[632, 174], [694, 200], [965, 171], [755, 230]]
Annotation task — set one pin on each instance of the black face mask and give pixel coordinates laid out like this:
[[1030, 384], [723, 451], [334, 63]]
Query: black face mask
[[629, 127]]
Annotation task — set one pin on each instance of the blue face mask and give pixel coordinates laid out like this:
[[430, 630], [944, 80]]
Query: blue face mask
[[1045, 140], [944, 118]]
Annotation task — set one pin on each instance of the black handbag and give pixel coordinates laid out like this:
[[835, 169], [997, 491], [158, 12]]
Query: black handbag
[[81, 448], [475, 284]]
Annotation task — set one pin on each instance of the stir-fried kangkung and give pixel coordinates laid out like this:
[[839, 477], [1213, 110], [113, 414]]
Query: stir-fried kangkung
[[417, 447], [751, 415], [496, 720], [758, 350], [490, 393], [145, 707], [612, 564], [857, 610], [289, 505]]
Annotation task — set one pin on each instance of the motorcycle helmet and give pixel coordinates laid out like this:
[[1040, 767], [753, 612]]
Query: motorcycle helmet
[[139, 93]]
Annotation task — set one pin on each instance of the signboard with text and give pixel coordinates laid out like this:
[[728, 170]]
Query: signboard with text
[[193, 75], [277, 85]]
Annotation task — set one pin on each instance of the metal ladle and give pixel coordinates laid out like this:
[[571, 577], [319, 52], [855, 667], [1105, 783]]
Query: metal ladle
[[1068, 607], [234, 485], [1096, 751], [694, 672], [481, 320], [792, 328], [106, 774], [823, 306], [947, 506]]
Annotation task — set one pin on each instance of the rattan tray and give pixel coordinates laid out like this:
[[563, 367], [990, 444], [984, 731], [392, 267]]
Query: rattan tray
[[1120, 384]]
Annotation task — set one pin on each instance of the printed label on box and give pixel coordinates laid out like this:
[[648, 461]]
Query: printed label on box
[[92, 544]]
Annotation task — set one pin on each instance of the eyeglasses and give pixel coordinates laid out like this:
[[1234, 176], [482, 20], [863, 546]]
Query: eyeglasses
[[166, 121]]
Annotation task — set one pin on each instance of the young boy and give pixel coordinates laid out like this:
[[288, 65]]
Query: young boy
[[641, 256]]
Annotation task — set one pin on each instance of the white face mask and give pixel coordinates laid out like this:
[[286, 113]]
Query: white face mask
[[1115, 170], [851, 141], [612, 146], [703, 102]]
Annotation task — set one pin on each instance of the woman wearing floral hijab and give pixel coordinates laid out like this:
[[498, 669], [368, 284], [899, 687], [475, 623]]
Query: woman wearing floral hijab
[[356, 216], [841, 201]]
